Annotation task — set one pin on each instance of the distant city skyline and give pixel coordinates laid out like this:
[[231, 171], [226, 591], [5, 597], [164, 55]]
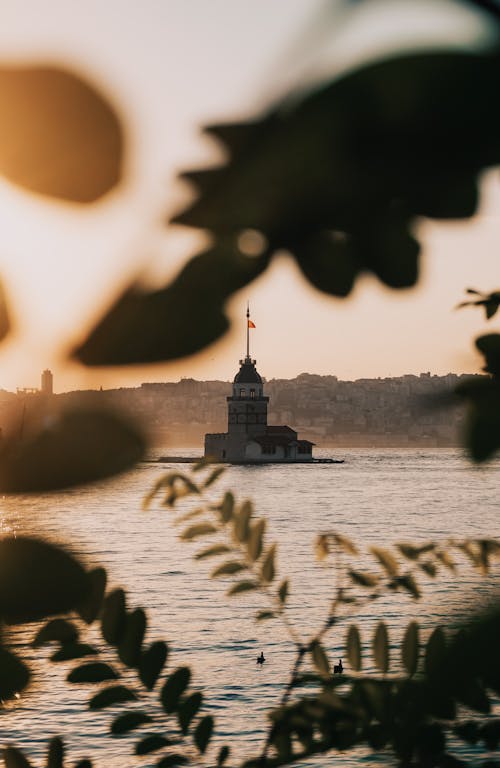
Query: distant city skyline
[[169, 68]]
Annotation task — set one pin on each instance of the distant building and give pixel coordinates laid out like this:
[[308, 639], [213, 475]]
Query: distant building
[[47, 387], [249, 438]]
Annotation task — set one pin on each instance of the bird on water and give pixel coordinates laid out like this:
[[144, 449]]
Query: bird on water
[[261, 659]]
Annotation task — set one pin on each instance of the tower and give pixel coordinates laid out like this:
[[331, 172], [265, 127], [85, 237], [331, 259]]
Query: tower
[[47, 382], [247, 406]]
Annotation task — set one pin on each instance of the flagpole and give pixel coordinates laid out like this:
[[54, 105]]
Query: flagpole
[[248, 332]]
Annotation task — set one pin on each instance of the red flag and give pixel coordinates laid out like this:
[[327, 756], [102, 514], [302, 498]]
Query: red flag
[[250, 324]]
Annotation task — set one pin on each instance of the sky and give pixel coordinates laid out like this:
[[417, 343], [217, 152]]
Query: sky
[[170, 66]]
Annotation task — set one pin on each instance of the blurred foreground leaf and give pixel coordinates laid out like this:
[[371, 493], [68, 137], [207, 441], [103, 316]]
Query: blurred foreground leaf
[[69, 448], [482, 429], [14, 675], [175, 321], [38, 579], [58, 135], [338, 177]]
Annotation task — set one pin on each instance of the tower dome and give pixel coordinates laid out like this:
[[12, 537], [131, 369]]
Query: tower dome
[[248, 373]]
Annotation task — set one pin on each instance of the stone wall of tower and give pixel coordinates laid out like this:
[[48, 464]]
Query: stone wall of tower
[[246, 416]]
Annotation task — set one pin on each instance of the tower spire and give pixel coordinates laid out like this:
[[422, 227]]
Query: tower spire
[[248, 331]]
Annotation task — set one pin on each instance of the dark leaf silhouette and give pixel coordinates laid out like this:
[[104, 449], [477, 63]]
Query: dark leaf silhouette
[[173, 689], [76, 447], [89, 609], [203, 733], [175, 321], [129, 649], [129, 721], [172, 761], [58, 136], [93, 672], [4, 315], [37, 579], [55, 756], [114, 617], [14, 758], [188, 709], [151, 743], [490, 302], [70, 651], [108, 697], [152, 662], [338, 176], [14, 674], [57, 629]]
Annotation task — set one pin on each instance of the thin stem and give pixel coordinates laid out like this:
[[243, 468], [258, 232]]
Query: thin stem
[[301, 652]]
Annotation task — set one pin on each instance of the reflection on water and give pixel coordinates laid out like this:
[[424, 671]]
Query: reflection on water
[[376, 497]]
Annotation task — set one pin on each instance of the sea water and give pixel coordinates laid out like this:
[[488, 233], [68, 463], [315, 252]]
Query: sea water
[[376, 497]]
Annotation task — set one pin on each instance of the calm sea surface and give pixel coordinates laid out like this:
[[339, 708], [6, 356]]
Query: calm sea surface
[[376, 497]]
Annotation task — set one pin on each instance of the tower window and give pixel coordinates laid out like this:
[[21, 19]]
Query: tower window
[[242, 392], [252, 393]]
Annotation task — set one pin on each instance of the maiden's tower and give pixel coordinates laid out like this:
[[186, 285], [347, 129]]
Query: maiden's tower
[[249, 438]]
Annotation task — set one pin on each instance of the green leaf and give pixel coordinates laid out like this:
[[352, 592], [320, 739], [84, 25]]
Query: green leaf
[[14, 674], [364, 579], [92, 672], [217, 549], [241, 521], [129, 648], [113, 619], [70, 651], [151, 743], [203, 733], [228, 568], [37, 580], [151, 663], [90, 608], [188, 710], [381, 648], [255, 540], [108, 697], [56, 630], [61, 136], [386, 560], [173, 689], [320, 658], [268, 571], [55, 755], [227, 507], [242, 586], [14, 758], [128, 722], [283, 592], [195, 531], [354, 648], [410, 649], [435, 653], [213, 476], [223, 755]]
